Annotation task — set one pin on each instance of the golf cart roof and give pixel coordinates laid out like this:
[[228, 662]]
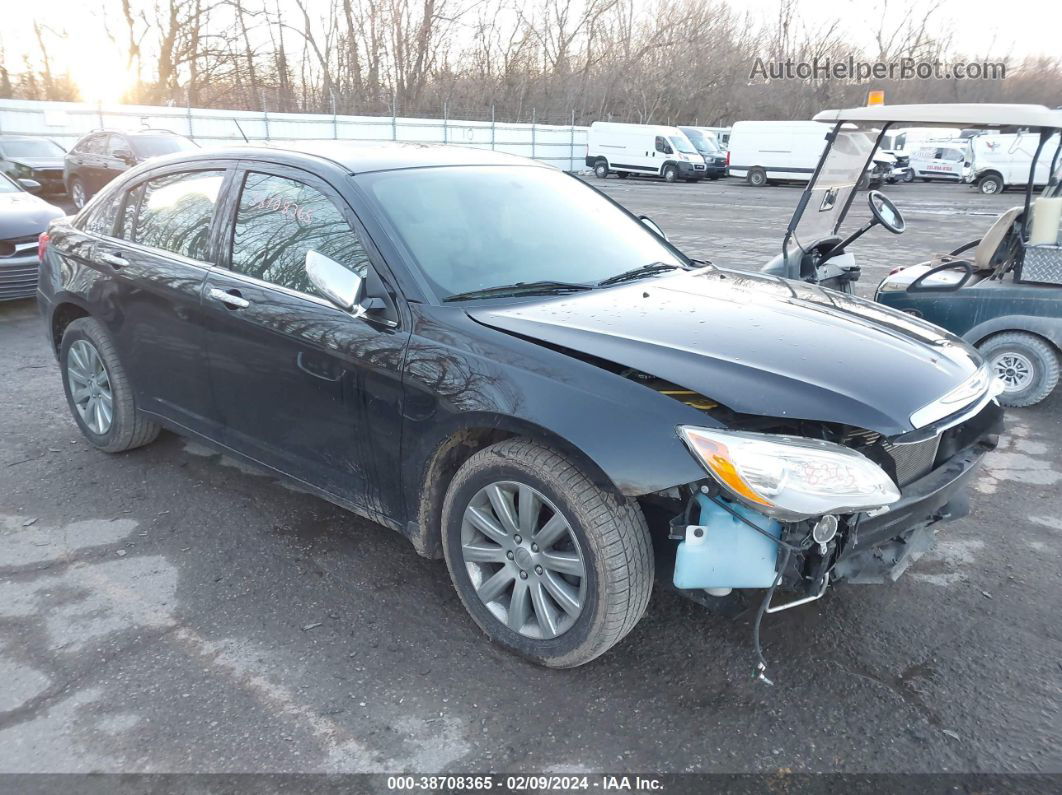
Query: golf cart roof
[[973, 114]]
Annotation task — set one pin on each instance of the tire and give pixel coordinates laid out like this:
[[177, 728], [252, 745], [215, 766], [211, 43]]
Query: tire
[[1026, 363], [127, 428], [601, 169], [756, 177], [863, 183], [925, 179], [990, 184], [78, 193], [623, 174], [908, 176], [670, 174], [605, 533]]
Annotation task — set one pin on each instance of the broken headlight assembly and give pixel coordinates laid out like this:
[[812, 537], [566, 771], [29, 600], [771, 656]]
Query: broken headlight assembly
[[790, 477]]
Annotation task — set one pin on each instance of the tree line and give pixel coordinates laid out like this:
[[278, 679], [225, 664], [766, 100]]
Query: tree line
[[689, 61]]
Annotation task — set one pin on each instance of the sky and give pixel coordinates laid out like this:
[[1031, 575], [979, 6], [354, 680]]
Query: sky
[[979, 28]]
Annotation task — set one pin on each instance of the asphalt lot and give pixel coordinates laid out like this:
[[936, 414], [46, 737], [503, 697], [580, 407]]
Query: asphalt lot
[[168, 610]]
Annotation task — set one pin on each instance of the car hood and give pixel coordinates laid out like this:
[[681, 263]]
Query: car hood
[[23, 214], [757, 344], [38, 162]]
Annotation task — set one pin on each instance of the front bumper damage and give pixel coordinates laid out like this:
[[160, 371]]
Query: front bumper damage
[[870, 547]]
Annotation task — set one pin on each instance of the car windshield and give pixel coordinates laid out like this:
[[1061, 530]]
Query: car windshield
[[154, 145], [34, 148], [705, 144], [682, 144], [474, 228]]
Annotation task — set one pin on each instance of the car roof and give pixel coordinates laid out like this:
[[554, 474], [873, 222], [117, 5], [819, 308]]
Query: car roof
[[360, 157], [955, 114]]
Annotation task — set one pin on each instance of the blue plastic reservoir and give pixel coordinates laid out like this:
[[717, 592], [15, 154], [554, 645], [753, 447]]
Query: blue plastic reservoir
[[729, 553]]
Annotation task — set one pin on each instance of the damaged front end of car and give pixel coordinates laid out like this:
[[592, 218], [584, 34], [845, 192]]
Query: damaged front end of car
[[795, 506]]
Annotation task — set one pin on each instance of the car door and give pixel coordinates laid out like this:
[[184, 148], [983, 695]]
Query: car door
[[114, 160], [158, 257], [303, 386]]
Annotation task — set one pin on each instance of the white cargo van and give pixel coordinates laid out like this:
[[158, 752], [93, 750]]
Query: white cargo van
[[944, 160], [642, 149], [764, 151], [999, 161]]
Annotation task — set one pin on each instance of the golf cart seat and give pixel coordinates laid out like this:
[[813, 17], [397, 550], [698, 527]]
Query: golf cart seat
[[986, 250]]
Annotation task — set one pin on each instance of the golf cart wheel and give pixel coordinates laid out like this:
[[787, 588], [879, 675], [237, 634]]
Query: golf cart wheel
[[1026, 364], [990, 184], [601, 169], [78, 194], [98, 391], [757, 177], [548, 564], [670, 174]]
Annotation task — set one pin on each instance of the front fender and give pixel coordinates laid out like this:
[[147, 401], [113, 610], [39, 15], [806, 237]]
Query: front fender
[[1050, 328]]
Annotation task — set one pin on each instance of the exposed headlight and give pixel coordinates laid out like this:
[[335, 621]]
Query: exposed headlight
[[790, 477]]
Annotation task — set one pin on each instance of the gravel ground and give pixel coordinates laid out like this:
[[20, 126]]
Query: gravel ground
[[169, 610]]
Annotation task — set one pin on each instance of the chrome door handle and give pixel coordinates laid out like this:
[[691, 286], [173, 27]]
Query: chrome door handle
[[113, 260], [228, 298]]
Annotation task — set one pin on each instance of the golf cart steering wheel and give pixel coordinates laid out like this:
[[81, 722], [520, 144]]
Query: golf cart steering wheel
[[886, 213]]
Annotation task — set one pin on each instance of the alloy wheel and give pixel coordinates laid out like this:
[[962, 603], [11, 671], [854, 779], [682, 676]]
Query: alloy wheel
[[77, 194], [1014, 370], [90, 387], [524, 560]]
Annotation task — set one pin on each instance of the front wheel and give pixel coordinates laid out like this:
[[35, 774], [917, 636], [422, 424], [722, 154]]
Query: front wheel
[[548, 564], [670, 174], [1026, 364], [990, 184]]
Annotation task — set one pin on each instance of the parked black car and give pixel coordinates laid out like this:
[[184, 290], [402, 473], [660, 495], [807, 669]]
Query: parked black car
[[502, 364], [39, 159], [23, 217], [102, 155]]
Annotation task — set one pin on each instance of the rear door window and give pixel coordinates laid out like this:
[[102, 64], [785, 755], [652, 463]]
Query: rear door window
[[278, 220], [176, 211]]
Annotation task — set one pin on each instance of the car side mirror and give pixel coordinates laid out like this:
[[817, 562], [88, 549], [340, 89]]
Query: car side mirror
[[30, 184], [125, 155], [338, 284], [651, 225]]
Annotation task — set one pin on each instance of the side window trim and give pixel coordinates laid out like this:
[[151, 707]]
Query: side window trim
[[283, 171], [228, 167]]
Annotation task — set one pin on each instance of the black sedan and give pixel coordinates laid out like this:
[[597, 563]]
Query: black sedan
[[39, 159], [503, 365], [23, 217]]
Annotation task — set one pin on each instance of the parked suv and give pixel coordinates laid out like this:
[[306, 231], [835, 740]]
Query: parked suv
[[511, 370], [39, 159], [101, 156]]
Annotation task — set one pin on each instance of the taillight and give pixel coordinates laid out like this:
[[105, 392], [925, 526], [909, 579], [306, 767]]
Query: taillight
[[728, 158], [42, 245]]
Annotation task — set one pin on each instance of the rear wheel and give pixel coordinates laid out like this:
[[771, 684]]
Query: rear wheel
[[990, 184], [670, 174], [757, 177], [98, 391], [78, 194], [1026, 364], [623, 174], [601, 169], [549, 565]]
